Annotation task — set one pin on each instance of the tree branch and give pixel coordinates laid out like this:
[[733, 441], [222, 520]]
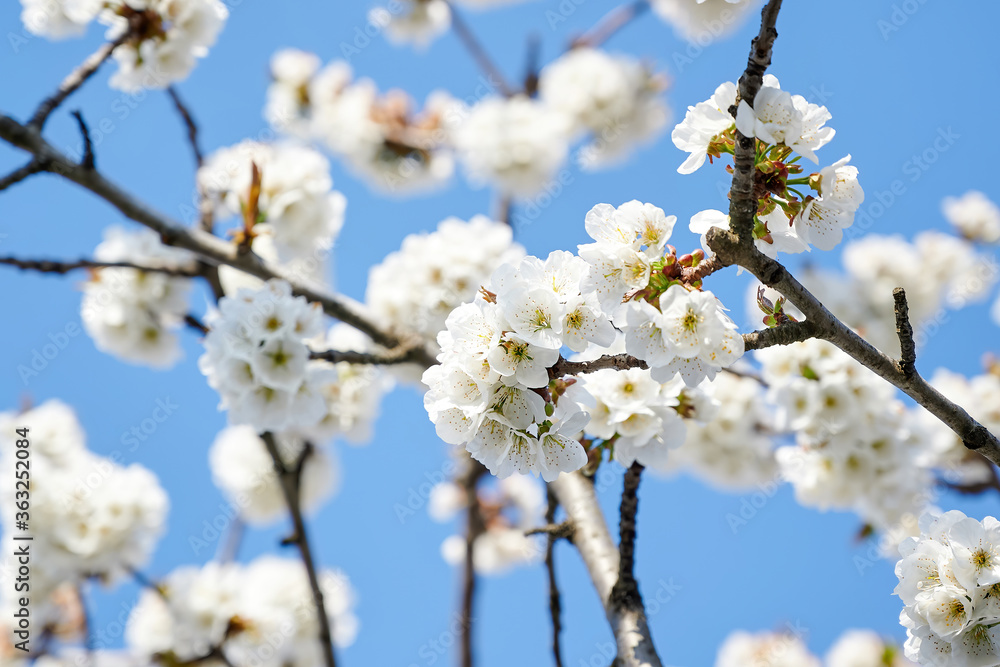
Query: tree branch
[[61, 268], [391, 358], [474, 527], [87, 161], [618, 362], [192, 127], [783, 334], [592, 539], [907, 348], [555, 599], [610, 24], [76, 78], [289, 479], [20, 174], [742, 200], [478, 52], [771, 273], [197, 241]]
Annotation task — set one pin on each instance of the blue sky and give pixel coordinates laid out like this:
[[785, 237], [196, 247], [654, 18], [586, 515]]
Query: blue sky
[[895, 75]]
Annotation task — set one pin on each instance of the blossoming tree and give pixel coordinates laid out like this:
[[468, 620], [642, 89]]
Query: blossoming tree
[[535, 371]]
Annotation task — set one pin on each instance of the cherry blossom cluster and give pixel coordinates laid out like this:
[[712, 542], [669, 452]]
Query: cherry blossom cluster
[[415, 288], [854, 441], [701, 21], [516, 143], [261, 613], [974, 216], [730, 434], [854, 648], [945, 451], [165, 37], [419, 22], [509, 507], [379, 135], [244, 470], [949, 582], [89, 516], [257, 356], [939, 272], [134, 314], [494, 392], [634, 275], [784, 124], [299, 214]]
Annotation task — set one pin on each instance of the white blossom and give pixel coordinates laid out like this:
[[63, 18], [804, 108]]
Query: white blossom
[[974, 215]]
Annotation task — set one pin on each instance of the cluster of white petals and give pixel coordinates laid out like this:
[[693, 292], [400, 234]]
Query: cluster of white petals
[[379, 136], [510, 507], [415, 288], [680, 331], [614, 99], [865, 648], [974, 215], [299, 212], [515, 143], [730, 434], [854, 648], [854, 441], [244, 470], [702, 21], [487, 393], [949, 582], [944, 450], [782, 121], [89, 515], [773, 649], [256, 357], [416, 22], [939, 272], [134, 314], [261, 612], [166, 37]]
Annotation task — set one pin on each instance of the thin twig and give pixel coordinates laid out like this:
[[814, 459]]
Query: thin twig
[[474, 527], [478, 52], [907, 348], [558, 531], [87, 161], [390, 358], [618, 362], [555, 599], [212, 249], [193, 322], [60, 268], [75, 79], [20, 174], [610, 24], [289, 479], [192, 127]]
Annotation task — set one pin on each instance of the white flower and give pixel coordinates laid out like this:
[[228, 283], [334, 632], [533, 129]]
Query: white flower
[[417, 22], [614, 98], [742, 649], [131, 314], [702, 124], [975, 216], [181, 31], [823, 220], [777, 117], [864, 648], [518, 361], [59, 19], [257, 359], [515, 143]]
